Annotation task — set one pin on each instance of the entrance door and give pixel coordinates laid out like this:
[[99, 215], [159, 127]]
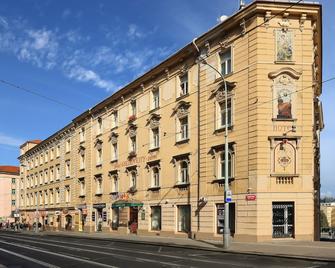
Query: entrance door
[[133, 219], [282, 219], [98, 220]]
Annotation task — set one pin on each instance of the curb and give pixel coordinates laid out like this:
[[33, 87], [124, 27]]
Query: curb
[[262, 254]]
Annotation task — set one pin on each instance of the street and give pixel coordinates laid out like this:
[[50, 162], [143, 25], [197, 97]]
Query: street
[[26, 250]]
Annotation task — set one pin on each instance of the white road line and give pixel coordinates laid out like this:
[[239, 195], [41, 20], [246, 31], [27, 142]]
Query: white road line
[[124, 257], [42, 263], [59, 255], [116, 249]]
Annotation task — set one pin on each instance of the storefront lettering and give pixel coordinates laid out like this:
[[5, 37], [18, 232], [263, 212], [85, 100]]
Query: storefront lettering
[[134, 161], [282, 128]]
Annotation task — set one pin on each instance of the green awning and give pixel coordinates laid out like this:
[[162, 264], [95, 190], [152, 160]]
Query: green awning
[[127, 203]]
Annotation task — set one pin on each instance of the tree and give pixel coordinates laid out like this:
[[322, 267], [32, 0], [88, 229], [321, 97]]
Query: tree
[[323, 220]]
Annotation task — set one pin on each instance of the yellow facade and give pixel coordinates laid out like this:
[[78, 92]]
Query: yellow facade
[[271, 60]]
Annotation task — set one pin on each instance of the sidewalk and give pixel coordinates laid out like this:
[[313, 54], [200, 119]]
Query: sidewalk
[[324, 251]]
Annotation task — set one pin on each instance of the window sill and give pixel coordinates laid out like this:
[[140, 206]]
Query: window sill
[[114, 160], [132, 190], [220, 181], [67, 152], [98, 194], [82, 196], [182, 97], [81, 142], [67, 177], [284, 175], [82, 169], [132, 154], [154, 149], [182, 185], [98, 135], [182, 141], [154, 110], [285, 119], [114, 193], [98, 165], [154, 188], [284, 62], [113, 128], [221, 129]]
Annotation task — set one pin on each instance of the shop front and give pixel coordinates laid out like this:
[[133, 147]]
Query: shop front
[[125, 215], [99, 216], [82, 210]]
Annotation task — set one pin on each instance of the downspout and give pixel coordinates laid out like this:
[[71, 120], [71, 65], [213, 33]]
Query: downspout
[[198, 117]]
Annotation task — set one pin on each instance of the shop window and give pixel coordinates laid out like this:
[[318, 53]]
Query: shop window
[[184, 218], [282, 219], [156, 220]]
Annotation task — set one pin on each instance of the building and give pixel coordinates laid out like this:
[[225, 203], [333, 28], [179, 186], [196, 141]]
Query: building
[[8, 193], [329, 210], [150, 158]]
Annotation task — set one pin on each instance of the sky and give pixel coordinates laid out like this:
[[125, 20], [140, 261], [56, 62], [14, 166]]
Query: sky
[[80, 52]]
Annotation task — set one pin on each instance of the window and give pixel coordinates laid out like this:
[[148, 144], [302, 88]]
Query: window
[[36, 179], [82, 134], [46, 157], [98, 186], [99, 156], [133, 108], [41, 177], [58, 151], [13, 191], [154, 143], [156, 218], [51, 196], [13, 181], [67, 169], [133, 144], [114, 119], [226, 64], [67, 193], [41, 198], [115, 184], [114, 152], [57, 173], [41, 159], [36, 161], [46, 178], [184, 218], [68, 145], [155, 98], [46, 197], [99, 126], [57, 195], [82, 191], [13, 202], [183, 84], [221, 121], [133, 180], [51, 174], [52, 154], [183, 172], [182, 131], [82, 161], [155, 177], [222, 166]]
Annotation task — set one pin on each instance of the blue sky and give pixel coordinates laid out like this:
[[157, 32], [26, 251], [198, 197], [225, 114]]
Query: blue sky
[[79, 52]]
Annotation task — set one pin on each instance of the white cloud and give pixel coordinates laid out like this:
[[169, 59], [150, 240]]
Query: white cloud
[[3, 22], [10, 141], [134, 32], [85, 75]]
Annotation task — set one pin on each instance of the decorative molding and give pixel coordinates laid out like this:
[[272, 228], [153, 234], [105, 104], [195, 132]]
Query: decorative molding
[[286, 70], [181, 109], [167, 73], [267, 18], [113, 137], [302, 20], [285, 23], [243, 27]]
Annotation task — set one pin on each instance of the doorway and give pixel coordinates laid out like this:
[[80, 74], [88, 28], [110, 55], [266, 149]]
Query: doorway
[[133, 219], [282, 219], [220, 218], [99, 220]]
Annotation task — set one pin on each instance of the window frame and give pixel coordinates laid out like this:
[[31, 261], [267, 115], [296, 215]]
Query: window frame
[[225, 71]]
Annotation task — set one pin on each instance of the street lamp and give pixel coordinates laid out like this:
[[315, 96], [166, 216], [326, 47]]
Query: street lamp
[[226, 233]]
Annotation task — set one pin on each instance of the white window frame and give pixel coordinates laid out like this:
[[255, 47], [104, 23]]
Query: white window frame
[[67, 194], [114, 151], [182, 129], [133, 108], [67, 169], [184, 85], [221, 167], [115, 119], [99, 126], [98, 188], [115, 184], [155, 176], [82, 134], [220, 114], [133, 144], [133, 179], [82, 189], [154, 138], [68, 145], [226, 61], [155, 99], [183, 173], [82, 161], [99, 156]]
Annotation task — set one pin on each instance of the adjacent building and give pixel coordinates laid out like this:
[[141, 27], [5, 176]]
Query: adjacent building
[[150, 158], [329, 210], [9, 176]]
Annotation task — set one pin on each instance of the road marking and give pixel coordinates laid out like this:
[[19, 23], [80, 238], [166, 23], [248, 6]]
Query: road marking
[[42, 263], [160, 249], [88, 250], [59, 255]]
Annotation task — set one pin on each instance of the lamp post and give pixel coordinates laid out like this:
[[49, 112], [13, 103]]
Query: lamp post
[[226, 233]]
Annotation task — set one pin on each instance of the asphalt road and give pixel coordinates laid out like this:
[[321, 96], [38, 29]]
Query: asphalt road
[[24, 250]]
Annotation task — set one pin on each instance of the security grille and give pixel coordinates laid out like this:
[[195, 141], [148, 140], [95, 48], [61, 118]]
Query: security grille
[[282, 219]]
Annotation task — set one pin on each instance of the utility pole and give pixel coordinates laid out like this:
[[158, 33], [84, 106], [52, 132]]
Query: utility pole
[[226, 233]]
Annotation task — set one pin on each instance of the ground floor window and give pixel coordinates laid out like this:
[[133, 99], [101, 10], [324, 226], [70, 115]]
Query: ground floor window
[[184, 218], [156, 219], [282, 219], [115, 218]]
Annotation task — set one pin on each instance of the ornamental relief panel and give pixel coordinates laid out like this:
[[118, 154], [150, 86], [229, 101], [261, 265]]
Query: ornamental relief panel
[[284, 45], [113, 137], [284, 157]]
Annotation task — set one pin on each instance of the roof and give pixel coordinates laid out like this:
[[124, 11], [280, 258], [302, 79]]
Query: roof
[[35, 141], [10, 170]]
